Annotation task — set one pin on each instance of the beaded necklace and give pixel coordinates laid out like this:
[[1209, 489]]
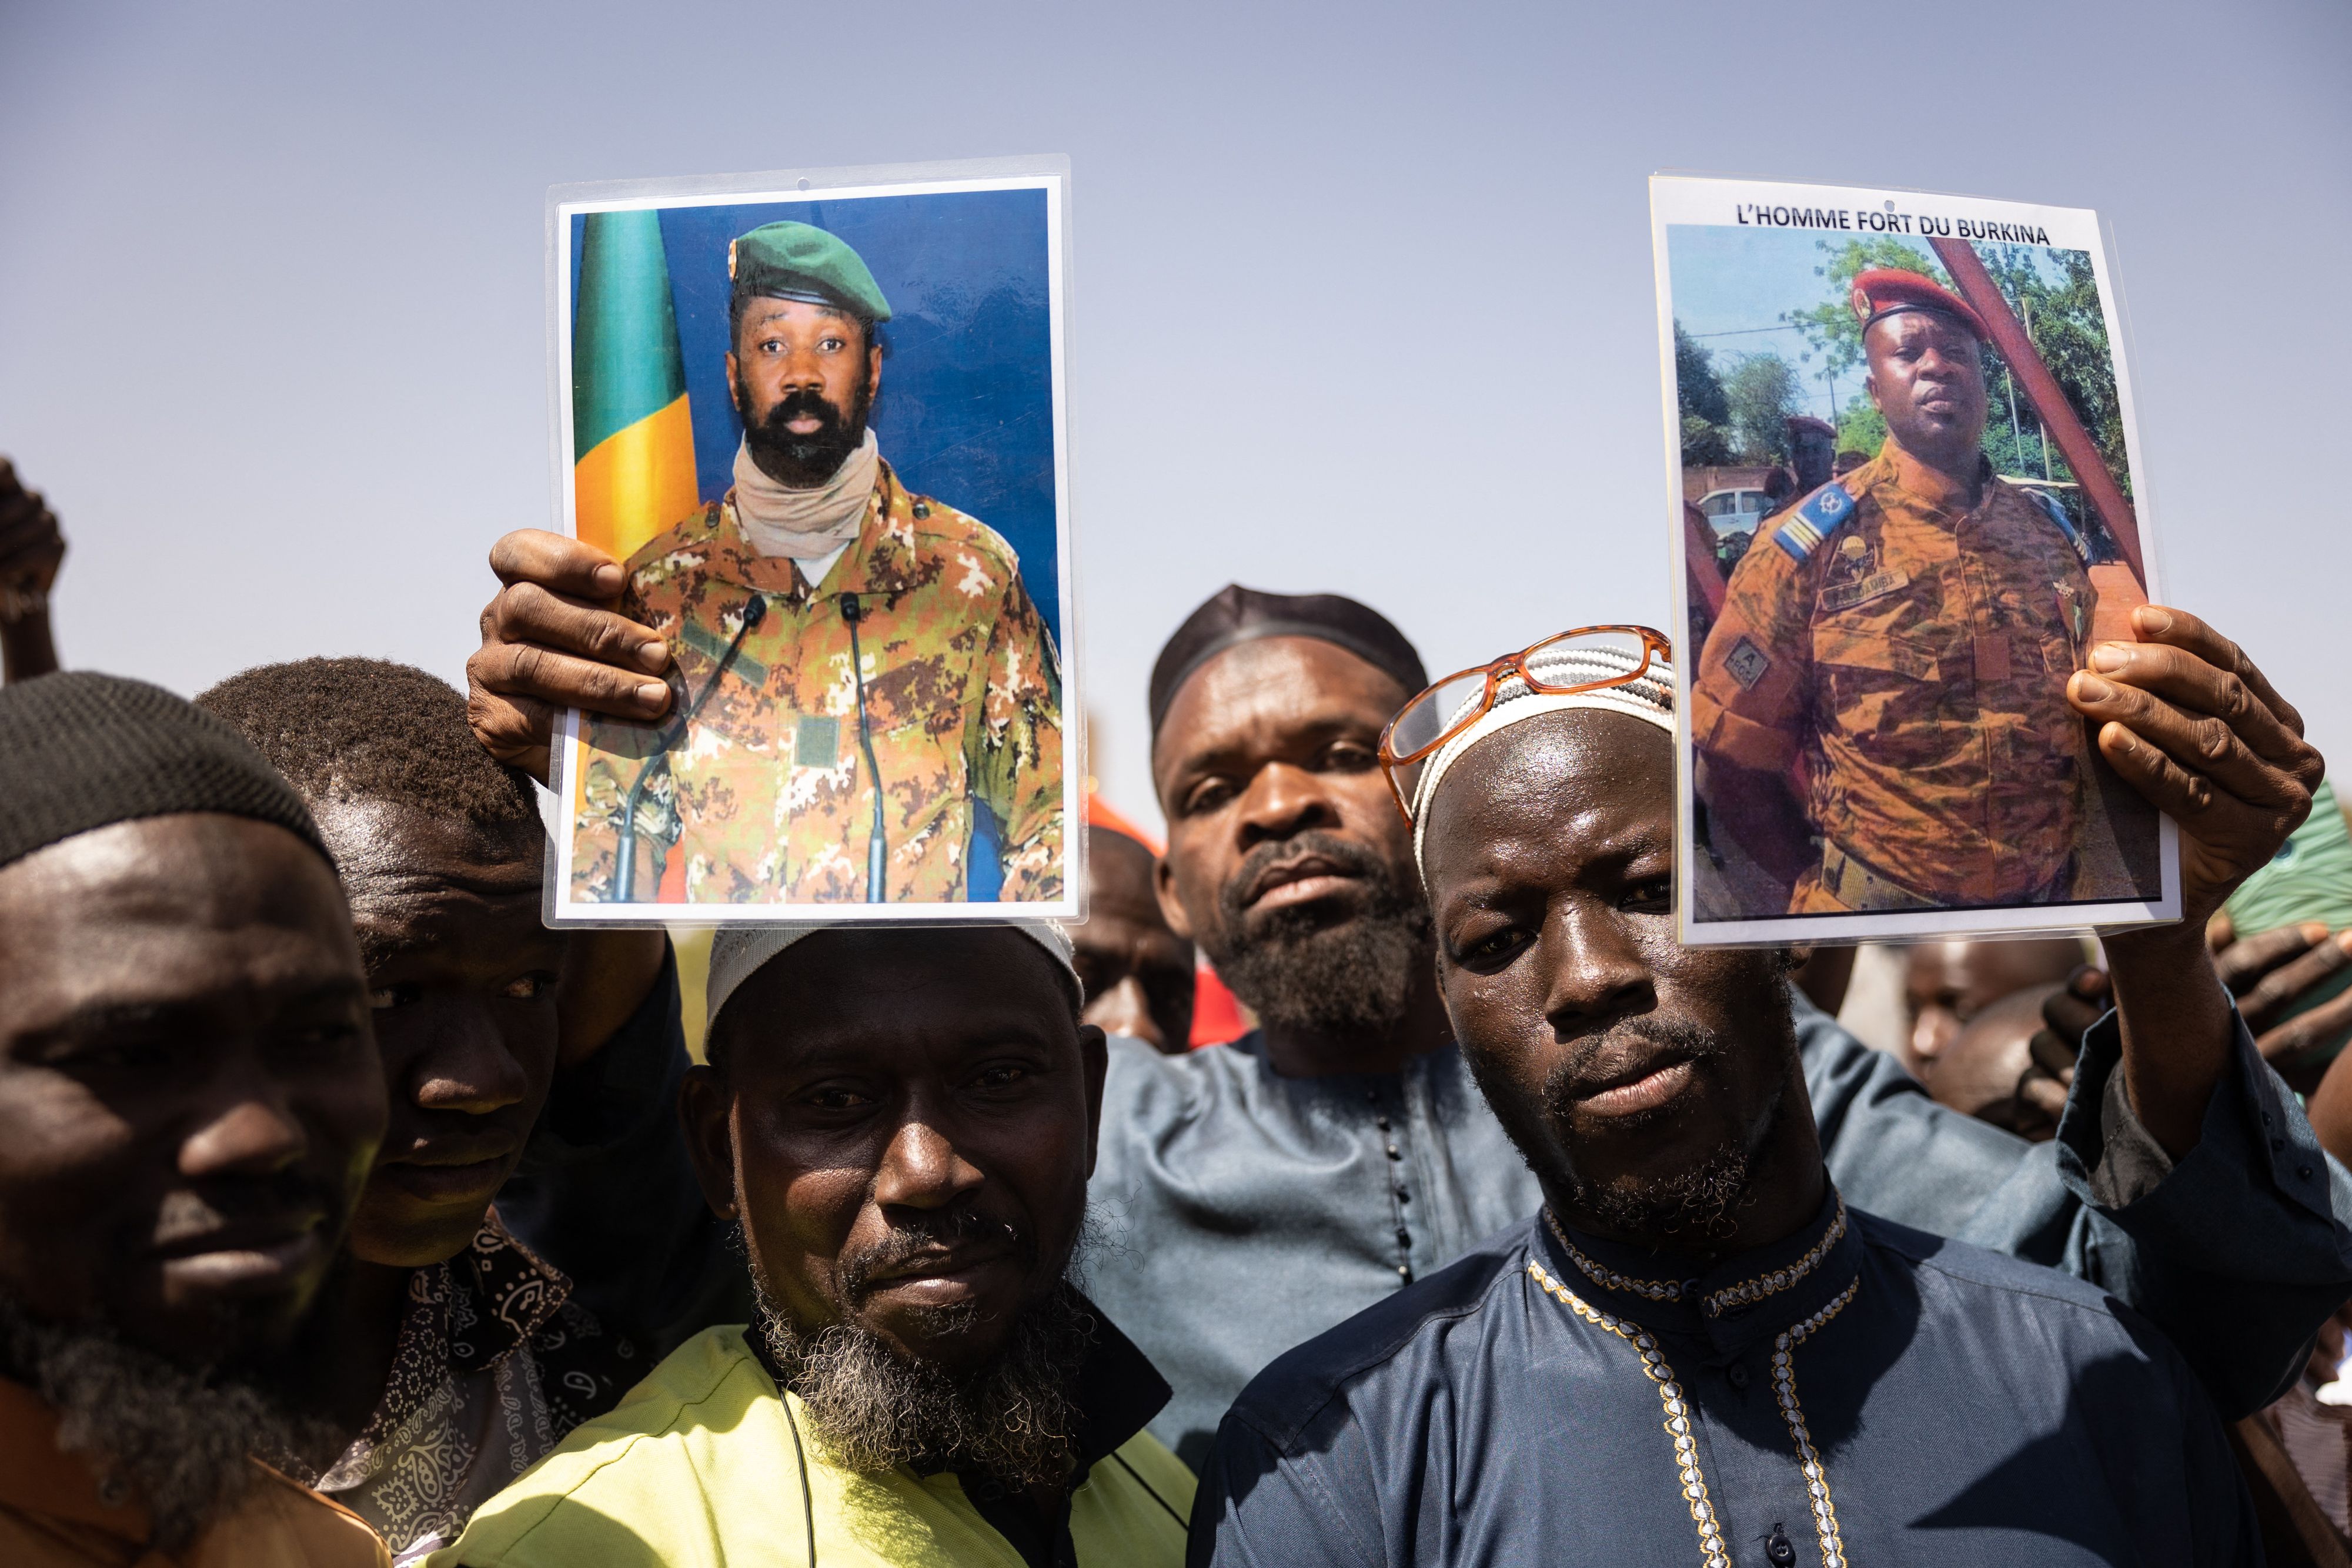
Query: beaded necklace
[[1677, 1410]]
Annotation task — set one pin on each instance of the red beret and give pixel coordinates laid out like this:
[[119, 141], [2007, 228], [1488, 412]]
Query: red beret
[[1889, 291], [1803, 421]]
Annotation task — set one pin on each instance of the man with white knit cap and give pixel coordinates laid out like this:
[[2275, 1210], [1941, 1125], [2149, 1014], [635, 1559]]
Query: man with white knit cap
[[1263, 1191], [901, 1122], [1697, 1349]]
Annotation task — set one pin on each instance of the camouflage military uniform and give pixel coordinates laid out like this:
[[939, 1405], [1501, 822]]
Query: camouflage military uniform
[[768, 796], [1916, 656]]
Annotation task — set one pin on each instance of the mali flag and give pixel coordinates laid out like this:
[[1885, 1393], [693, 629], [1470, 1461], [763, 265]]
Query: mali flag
[[631, 441]]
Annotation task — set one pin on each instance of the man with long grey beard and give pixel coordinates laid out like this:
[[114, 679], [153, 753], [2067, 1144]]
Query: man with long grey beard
[[189, 1099], [901, 1123]]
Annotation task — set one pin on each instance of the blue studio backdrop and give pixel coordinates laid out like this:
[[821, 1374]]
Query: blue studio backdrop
[[966, 410]]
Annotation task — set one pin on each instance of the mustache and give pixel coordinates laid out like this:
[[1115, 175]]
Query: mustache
[[934, 1233], [804, 402], [190, 1215], [1559, 1084], [1352, 857]]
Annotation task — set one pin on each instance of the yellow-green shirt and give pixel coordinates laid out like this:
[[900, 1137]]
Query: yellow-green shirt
[[697, 1467]]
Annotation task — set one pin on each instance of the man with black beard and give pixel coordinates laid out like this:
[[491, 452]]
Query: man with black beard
[[1703, 1346], [189, 1100], [868, 664], [1251, 1196], [901, 1123]]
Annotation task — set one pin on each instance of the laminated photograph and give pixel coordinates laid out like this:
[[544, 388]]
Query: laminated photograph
[[1905, 499], [819, 417]]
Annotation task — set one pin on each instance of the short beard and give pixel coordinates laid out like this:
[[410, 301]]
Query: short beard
[[1700, 1202], [804, 462], [179, 1442], [1300, 969], [1014, 1419]]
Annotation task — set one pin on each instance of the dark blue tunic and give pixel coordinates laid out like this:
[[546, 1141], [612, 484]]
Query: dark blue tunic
[[1242, 1213], [1862, 1391]]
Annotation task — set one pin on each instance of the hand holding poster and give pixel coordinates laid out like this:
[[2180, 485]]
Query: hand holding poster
[[819, 420], [1905, 504]]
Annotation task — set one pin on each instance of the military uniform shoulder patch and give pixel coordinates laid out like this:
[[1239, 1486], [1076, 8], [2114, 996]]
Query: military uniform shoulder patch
[[1747, 663], [2051, 504], [1814, 520]]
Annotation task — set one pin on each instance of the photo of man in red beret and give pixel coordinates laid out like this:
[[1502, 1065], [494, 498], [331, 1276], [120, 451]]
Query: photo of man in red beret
[[1879, 711]]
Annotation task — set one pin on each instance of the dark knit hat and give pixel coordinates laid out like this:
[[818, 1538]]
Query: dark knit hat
[[81, 750], [1235, 614]]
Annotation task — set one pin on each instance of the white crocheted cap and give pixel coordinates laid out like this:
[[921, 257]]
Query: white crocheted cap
[[1649, 697], [739, 952]]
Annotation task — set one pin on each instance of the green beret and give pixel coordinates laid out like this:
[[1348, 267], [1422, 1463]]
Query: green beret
[[793, 261]]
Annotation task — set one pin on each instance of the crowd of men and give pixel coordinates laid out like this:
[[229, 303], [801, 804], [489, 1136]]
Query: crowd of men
[[348, 1213]]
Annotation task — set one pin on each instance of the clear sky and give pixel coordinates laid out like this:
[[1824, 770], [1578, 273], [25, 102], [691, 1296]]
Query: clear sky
[[1361, 301]]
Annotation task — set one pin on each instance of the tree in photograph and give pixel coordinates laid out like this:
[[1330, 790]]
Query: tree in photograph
[[1860, 428], [1830, 328], [1762, 393], [2056, 296], [1699, 396], [1704, 445]]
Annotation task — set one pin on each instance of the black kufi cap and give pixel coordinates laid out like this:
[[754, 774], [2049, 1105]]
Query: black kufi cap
[[1235, 614], [81, 751]]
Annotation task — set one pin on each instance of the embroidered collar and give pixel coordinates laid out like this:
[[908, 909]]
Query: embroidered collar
[[1677, 1411], [1791, 1276]]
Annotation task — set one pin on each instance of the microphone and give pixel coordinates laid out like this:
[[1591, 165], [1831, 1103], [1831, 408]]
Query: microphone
[[624, 873], [876, 846]]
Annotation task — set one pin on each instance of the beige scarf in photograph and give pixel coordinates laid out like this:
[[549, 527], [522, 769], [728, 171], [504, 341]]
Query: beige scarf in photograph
[[805, 525]]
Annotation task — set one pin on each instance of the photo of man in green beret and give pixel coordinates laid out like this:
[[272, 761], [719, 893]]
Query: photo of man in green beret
[[854, 667]]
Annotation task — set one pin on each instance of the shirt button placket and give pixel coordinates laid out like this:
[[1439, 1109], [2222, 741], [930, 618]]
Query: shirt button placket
[[1384, 1129]]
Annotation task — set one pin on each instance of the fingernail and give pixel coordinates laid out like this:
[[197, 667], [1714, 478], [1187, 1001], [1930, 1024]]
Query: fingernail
[[608, 577], [2110, 657], [652, 693], [2344, 940], [2152, 620], [2089, 688], [2315, 932], [653, 655]]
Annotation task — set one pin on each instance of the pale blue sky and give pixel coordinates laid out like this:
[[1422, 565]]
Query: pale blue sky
[[1361, 300]]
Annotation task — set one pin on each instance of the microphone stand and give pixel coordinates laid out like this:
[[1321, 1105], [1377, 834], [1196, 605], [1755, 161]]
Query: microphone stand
[[625, 874]]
